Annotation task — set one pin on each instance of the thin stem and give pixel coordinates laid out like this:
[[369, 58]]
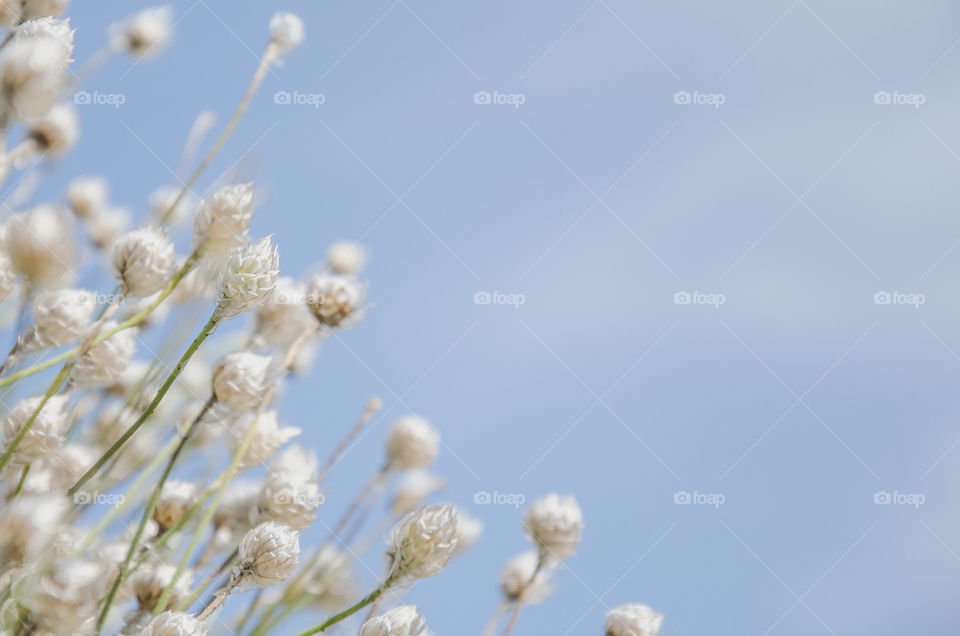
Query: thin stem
[[350, 611], [518, 604], [207, 581], [23, 480], [492, 623], [371, 484], [218, 599], [161, 392], [373, 405], [268, 57]]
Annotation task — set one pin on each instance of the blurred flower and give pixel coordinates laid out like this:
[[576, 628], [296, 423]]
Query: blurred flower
[[268, 554], [422, 543], [633, 620], [555, 524], [400, 621]]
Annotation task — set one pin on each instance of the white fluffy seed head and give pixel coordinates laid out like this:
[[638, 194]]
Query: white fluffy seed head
[[422, 543], [32, 75], [284, 316], [56, 132], [268, 554], [57, 30], [39, 242], [145, 33], [105, 362], [288, 500], [248, 278], [241, 379], [633, 619], [150, 581], [517, 579], [176, 498], [346, 257], [175, 624], [44, 435], [400, 621], [286, 31], [88, 196], [555, 524], [336, 301], [267, 439], [222, 221], [29, 524], [411, 443], [143, 260], [64, 599], [59, 318]]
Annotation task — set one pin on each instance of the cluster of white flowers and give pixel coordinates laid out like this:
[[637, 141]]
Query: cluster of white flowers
[[131, 484]]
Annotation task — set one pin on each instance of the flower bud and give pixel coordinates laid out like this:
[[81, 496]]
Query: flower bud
[[555, 524], [335, 300], [519, 579], [411, 443], [32, 73], [289, 500], [248, 278], [56, 132], [104, 363], [88, 196], [145, 33], [40, 245], [45, 434], [284, 316], [175, 624], [59, 318], [268, 437], [175, 499], [143, 261], [400, 621], [28, 525], [633, 620], [422, 543], [241, 379], [286, 31], [223, 219], [268, 554], [346, 258], [150, 581]]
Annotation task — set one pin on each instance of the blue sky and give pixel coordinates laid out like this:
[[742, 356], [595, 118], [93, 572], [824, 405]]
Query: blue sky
[[787, 193]]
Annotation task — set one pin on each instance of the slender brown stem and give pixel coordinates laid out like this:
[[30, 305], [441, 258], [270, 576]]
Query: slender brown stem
[[218, 599]]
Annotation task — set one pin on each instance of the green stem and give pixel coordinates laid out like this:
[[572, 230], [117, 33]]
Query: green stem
[[207, 581], [23, 480], [161, 392], [350, 611]]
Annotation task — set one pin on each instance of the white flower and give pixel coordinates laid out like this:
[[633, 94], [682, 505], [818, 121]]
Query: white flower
[[40, 244], [223, 219], [267, 438], [237, 505], [65, 600], [59, 318], [335, 300], [422, 543], [286, 31], [330, 580], [555, 524], [268, 554], [248, 278], [470, 530], [241, 379], [633, 620], [152, 579], [143, 260], [56, 132], [284, 316], [175, 499], [104, 363], [416, 486], [107, 226], [58, 30], [346, 257], [289, 500], [88, 196], [33, 9], [32, 74], [175, 624], [296, 462], [45, 434], [29, 524], [145, 33], [400, 621], [517, 579], [163, 199], [8, 276], [411, 443], [68, 463]]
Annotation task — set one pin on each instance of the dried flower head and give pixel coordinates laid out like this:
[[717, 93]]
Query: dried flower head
[[267, 438], [633, 619], [40, 244], [520, 579], [284, 316], [400, 621], [248, 278], [336, 301], [28, 525], [152, 579], [145, 33], [103, 364], [223, 219], [411, 443], [65, 600], [88, 196], [32, 75], [346, 258], [175, 499], [175, 624], [555, 524], [286, 31], [289, 500], [59, 318], [56, 132], [330, 581], [268, 554], [57, 30], [422, 543], [143, 260], [241, 379], [107, 226], [237, 506], [45, 434]]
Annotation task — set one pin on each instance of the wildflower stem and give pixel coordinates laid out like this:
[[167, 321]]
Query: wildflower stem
[[518, 604], [350, 611], [218, 598], [23, 480], [207, 581], [161, 392]]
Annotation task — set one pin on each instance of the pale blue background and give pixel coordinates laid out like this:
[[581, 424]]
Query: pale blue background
[[600, 385]]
